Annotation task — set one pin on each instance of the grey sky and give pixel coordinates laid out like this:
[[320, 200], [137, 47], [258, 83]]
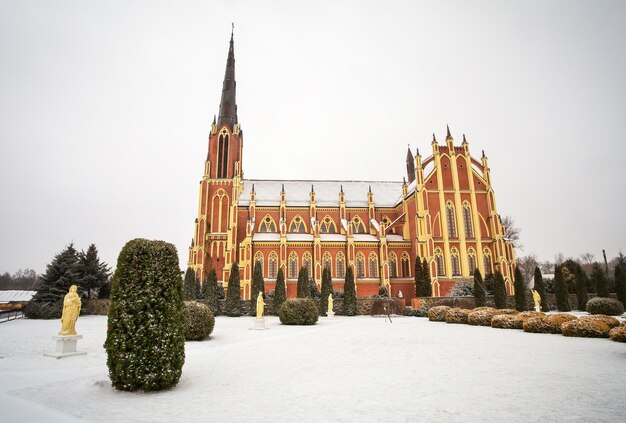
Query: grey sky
[[105, 109]]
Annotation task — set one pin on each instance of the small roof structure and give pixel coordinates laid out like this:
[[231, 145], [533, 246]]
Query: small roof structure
[[16, 296]]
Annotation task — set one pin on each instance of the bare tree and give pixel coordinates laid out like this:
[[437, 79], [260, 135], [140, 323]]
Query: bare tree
[[527, 265], [586, 258], [547, 267], [511, 232], [559, 258]]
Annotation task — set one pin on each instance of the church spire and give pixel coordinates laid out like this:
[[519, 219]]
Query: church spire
[[228, 105], [410, 165]]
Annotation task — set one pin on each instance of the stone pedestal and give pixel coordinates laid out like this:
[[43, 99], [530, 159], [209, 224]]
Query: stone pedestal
[[259, 324], [330, 314], [66, 347], [537, 309]]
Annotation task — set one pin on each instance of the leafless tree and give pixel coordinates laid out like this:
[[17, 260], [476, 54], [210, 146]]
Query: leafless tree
[[527, 265], [586, 258], [511, 232]]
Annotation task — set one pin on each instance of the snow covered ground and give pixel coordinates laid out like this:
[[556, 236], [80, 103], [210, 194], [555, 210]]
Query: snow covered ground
[[346, 369]]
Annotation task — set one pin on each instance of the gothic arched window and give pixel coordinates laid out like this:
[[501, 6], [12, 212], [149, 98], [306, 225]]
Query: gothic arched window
[[258, 261], [487, 255], [267, 224], [467, 220], [328, 226], [360, 266], [471, 260], [439, 262], [327, 261], [359, 227], [222, 155], [293, 265], [306, 262], [454, 256], [272, 266], [450, 219], [340, 268], [297, 225], [373, 265], [406, 265], [393, 265]]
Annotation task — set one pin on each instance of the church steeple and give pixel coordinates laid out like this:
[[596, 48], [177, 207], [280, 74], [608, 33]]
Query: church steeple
[[410, 165], [228, 105]]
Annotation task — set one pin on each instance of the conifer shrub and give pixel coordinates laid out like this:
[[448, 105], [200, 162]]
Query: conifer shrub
[[479, 289], [547, 324], [438, 313], [258, 285], [426, 278], [303, 290], [199, 320], [145, 341], [507, 321], [43, 310], [422, 279], [540, 287], [600, 281], [211, 292], [560, 289], [349, 294], [298, 311], [499, 291], [618, 334], [608, 306], [586, 328], [280, 294], [327, 289], [190, 285], [457, 315], [520, 291], [611, 321], [620, 284], [232, 305]]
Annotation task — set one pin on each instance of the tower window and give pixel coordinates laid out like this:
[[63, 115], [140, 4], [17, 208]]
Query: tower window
[[222, 155]]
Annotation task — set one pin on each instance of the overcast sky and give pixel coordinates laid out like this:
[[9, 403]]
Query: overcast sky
[[105, 110]]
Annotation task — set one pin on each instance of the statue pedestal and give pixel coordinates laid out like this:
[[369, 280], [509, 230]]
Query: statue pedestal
[[259, 324], [66, 347], [537, 309], [330, 314]]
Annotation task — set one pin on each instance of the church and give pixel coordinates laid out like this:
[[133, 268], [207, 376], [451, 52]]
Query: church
[[444, 211]]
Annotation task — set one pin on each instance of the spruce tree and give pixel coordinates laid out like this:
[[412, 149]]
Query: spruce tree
[[560, 290], [304, 291], [426, 276], [232, 305], [190, 285], [600, 281], [327, 289], [418, 277], [280, 294], [92, 274], [520, 291], [61, 273], [145, 342], [349, 294], [620, 284], [489, 283], [499, 290], [210, 291], [581, 287], [258, 285], [540, 287], [479, 289]]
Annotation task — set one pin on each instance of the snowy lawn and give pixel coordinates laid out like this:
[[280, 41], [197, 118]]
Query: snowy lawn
[[346, 369]]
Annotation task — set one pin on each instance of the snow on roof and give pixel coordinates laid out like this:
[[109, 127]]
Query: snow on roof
[[386, 194], [299, 237], [395, 238], [365, 238], [332, 238], [266, 236], [15, 295]]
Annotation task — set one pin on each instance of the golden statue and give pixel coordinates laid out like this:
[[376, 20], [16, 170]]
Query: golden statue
[[71, 310], [330, 303], [259, 306], [537, 299]]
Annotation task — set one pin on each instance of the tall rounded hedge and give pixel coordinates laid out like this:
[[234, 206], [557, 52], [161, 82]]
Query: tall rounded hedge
[[601, 305], [145, 341], [298, 311]]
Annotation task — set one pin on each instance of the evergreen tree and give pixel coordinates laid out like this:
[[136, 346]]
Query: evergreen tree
[[61, 273], [327, 289], [91, 273], [190, 285], [620, 284], [418, 277], [426, 276], [232, 305], [600, 280], [520, 291], [560, 290], [280, 294], [303, 283], [258, 285], [580, 283], [349, 294], [145, 342], [489, 282], [479, 289], [210, 291], [499, 290], [540, 287]]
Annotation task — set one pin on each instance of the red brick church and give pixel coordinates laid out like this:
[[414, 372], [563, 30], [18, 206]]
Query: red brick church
[[444, 211]]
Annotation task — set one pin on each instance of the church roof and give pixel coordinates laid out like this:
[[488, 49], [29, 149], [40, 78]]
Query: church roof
[[298, 193]]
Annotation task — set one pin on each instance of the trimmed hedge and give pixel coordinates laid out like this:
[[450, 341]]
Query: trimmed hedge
[[586, 328], [482, 316], [528, 314], [457, 315], [298, 311], [547, 324], [507, 321], [607, 306], [611, 321], [618, 334], [438, 313], [199, 320]]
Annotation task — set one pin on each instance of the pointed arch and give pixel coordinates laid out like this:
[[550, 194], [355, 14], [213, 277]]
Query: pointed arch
[[272, 265], [306, 262], [258, 258], [372, 262], [267, 224], [340, 266], [327, 225], [454, 256], [467, 220], [439, 262], [488, 264], [471, 260], [297, 225], [406, 265], [451, 221], [219, 210], [327, 261], [360, 265], [357, 224], [293, 265], [222, 154], [393, 265]]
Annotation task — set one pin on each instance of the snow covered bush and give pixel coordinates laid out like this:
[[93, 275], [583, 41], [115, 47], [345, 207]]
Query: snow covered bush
[[618, 334], [462, 289], [611, 321], [507, 321], [547, 324], [528, 314], [42, 310], [608, 306], [298, 311], [457, 315], [438, 313], [145, 341], [587, 328], [481, 316], [199, 320]]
